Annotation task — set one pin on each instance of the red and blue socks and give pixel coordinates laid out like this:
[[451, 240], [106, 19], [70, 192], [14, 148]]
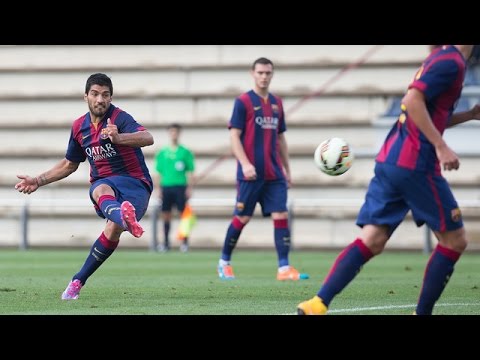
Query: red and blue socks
[[282, 241], [111, 209], [101, 249], [347, 265], [437, 274], [231, 238]]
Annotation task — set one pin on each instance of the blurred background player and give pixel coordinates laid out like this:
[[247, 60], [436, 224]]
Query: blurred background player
[[175, 166], [408, 177], [121, 185], [258, 143]]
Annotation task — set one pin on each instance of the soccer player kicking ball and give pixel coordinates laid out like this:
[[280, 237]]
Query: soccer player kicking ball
[[120, 181], [408, 177]]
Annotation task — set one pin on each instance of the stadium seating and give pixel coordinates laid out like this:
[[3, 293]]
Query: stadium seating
[[196, 86], [394, 109], [471, 77]]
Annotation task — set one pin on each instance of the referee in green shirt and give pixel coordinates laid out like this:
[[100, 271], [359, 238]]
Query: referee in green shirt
[[174, 165]]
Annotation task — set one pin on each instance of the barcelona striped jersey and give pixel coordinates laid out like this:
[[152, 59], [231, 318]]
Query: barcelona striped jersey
[[261, 121], [107, 159], [440, 79]]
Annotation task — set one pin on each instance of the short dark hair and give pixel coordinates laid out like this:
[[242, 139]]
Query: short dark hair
[[174, 126], [99, 79], [263, 61]]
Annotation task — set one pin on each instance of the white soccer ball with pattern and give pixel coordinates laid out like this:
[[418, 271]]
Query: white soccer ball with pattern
[[334, 156]]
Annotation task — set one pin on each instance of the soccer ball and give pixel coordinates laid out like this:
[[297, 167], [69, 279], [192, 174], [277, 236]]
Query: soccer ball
[[333, 156]]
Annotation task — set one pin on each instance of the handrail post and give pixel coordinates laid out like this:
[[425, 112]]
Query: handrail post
[[154, 242], [427, 246], [24, 227], [290, 221]]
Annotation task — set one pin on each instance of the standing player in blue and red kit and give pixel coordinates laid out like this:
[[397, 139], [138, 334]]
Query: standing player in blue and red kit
[[258, 142], [120, 181], [408, 177]]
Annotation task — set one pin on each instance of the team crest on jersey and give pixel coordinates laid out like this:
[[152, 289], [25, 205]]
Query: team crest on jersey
[[104, 134], [456, 215], [274, 107], [240, 206]]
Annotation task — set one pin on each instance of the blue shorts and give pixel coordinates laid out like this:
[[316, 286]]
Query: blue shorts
[[173, 195], [394, 191], [126, 188], [272, 196]]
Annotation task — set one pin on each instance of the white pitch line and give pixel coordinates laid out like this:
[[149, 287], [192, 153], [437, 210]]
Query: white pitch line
[[390, 307]]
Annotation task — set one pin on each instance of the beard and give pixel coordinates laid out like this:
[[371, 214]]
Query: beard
[[98, 111]]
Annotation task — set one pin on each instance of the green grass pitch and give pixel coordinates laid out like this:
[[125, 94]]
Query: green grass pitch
[[137, 282]]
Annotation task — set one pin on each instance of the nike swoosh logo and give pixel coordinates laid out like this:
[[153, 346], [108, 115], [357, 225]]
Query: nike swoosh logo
[[256, 108], [95, 248], [84, 137]]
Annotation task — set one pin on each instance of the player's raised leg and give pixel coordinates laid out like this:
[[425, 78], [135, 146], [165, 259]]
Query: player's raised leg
[[121, 214], [130, 220]]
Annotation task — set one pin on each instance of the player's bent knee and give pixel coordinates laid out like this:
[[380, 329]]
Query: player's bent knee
[[460, 244], [455, 240], [376, 247], [244, 219], [113, 231]]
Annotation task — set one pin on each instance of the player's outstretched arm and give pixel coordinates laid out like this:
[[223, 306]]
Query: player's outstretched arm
[[461, 117], [62, 169]]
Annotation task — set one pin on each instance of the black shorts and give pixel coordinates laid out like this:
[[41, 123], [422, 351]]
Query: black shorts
[[173, 195]]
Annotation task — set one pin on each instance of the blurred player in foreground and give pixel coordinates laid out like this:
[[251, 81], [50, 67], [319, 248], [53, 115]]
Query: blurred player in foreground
[[258, 143], [408, 177], [120, 181]]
